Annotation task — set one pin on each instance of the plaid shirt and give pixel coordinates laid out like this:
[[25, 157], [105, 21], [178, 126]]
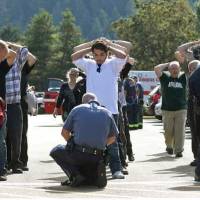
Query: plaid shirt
[[13, 77]]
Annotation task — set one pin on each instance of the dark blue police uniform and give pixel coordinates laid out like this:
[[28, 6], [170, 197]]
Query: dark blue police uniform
[[91, 125]]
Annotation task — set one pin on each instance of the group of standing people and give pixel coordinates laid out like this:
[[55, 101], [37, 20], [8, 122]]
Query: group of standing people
[[16, 62], [180, 101]]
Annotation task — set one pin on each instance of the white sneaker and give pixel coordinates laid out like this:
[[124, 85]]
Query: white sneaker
[[118, 175]]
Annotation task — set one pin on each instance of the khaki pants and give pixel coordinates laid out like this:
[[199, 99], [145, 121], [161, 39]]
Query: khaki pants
[[174, 126]]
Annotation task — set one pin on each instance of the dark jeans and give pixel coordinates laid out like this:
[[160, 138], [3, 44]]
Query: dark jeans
[[127, 133], [3, 154], [14, 134], [140, 114], [132, 113], [113, 152], [24, 143], [75, 162]]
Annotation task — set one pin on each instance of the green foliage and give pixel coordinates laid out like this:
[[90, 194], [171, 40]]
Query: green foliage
[[69, 36], [198, 16], [156, 30], [10, 33], [41, 38], [51, 45]]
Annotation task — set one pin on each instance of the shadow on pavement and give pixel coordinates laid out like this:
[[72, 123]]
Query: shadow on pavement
[[160, 157], [180, 171], [187, 188], [67, 189]]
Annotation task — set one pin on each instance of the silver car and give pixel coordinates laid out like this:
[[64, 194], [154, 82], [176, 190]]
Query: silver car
[[157, 109]]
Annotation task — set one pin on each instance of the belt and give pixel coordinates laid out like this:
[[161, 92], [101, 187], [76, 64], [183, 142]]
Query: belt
[[89, 150]]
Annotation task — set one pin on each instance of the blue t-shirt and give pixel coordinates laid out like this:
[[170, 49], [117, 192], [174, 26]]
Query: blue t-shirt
[[91, 125]]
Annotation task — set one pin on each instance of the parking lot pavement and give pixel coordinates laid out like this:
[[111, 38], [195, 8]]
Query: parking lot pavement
[[153, 175]]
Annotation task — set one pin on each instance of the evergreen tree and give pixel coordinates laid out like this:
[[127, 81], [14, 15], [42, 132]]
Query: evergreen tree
[[41, 40], [69, 36], [10, 33]]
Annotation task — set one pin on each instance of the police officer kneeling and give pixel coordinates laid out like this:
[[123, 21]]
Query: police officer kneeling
[[87, 130]]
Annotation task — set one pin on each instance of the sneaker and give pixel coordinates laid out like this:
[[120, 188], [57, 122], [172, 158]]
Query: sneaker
[[179, 155], [3, 177], [17, 171], [197, 175], [25, 168], [131, 158], [197, 178], [169, 150], [118, 175], [193, 163], [125, 171], [66, 183]]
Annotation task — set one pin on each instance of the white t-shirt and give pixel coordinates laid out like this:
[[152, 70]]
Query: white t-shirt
[[103, 84]]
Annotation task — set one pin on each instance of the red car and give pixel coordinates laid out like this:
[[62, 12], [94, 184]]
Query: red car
[[51, 94]]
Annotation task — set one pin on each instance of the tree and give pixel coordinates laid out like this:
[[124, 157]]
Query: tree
[[198, 17], [156, 30], [69, 36], [41, 39], [10, 33]]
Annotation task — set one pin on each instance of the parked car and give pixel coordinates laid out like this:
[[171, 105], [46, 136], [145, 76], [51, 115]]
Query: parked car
[[51, 94], [157, 109], [153, 98], [40, 99]]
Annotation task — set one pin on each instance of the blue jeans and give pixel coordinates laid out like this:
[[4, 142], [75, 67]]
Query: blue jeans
[[113, 152], [3, 149]]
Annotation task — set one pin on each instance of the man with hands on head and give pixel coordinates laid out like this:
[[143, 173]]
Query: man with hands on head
[[173, 89]]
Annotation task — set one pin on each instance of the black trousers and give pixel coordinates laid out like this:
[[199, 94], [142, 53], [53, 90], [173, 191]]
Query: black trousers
[[24, 143], [75, 162], [14, 135], [127, 133]]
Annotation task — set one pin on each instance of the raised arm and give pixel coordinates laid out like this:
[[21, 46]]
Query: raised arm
[[79, 54], [31, 59], [123, 43], [15, 47], [83, 46], [159, 69], [117, 52], [11, 57], [186, 47]]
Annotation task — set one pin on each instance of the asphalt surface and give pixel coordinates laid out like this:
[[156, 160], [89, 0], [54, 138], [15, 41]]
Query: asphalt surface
[[153, 175]]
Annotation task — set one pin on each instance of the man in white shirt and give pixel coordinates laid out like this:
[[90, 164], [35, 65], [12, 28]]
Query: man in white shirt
[[102, 73]]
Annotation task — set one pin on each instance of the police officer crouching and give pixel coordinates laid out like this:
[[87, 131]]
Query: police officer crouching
[[87, 130]]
